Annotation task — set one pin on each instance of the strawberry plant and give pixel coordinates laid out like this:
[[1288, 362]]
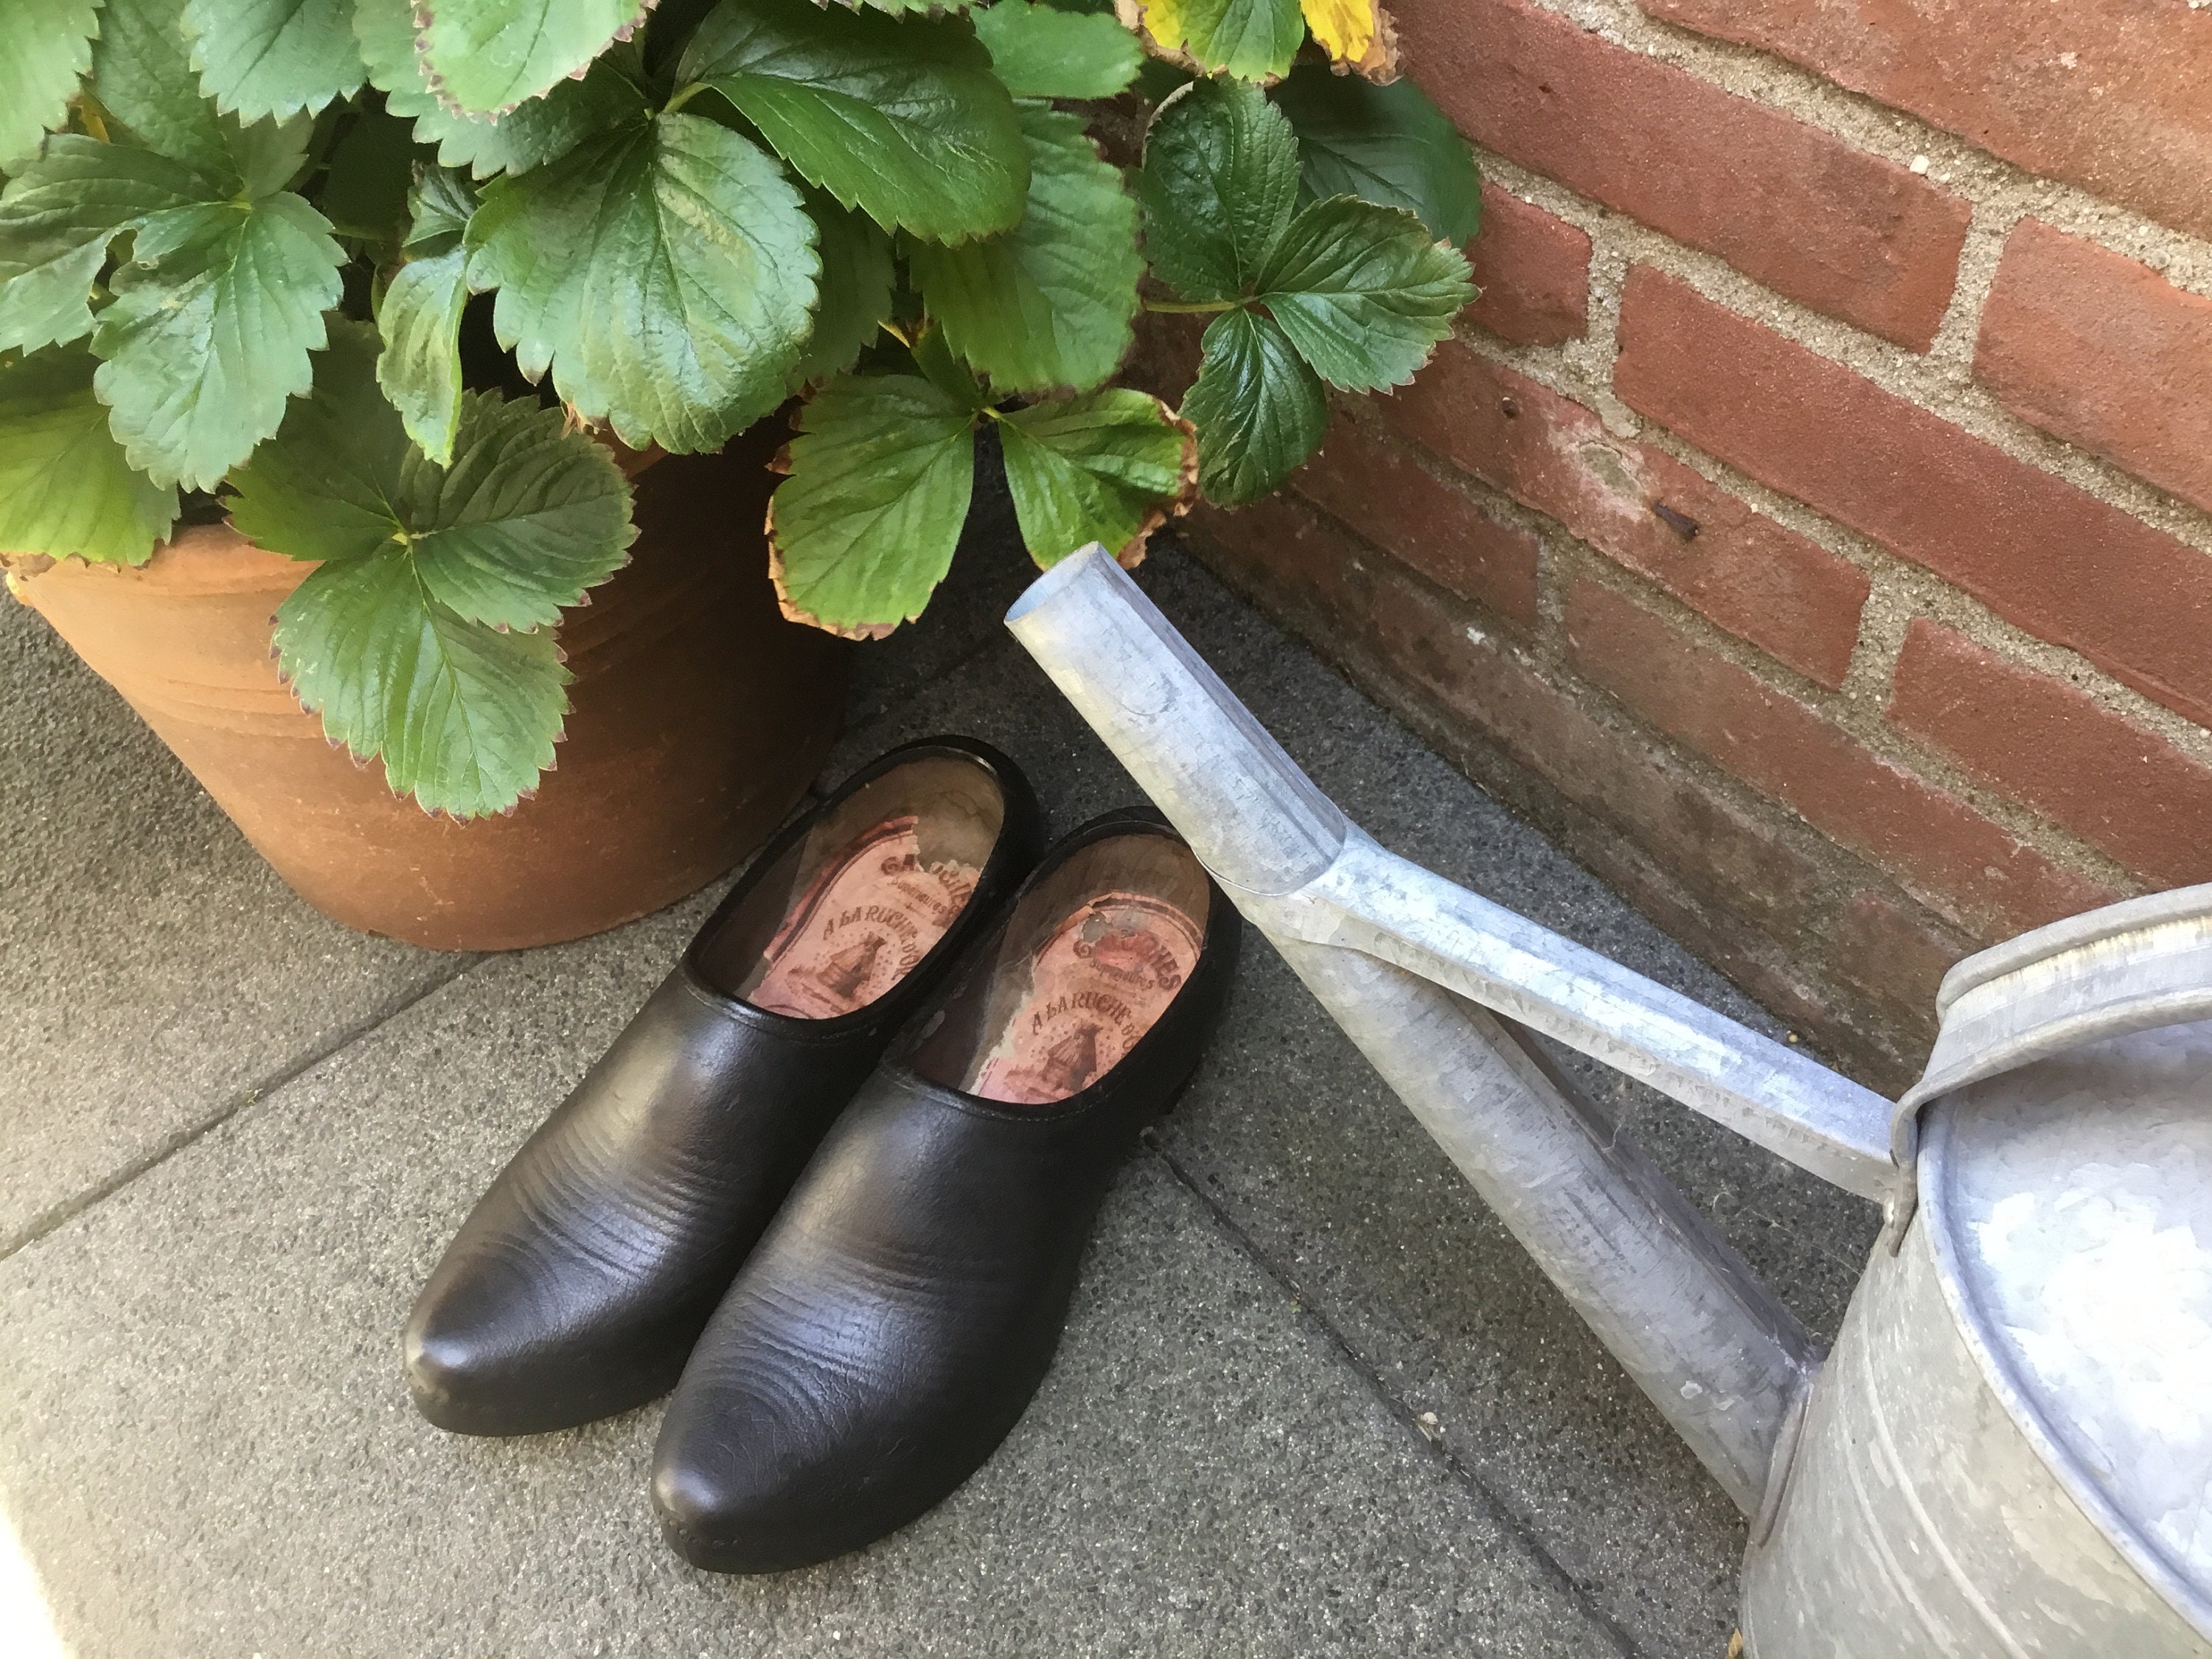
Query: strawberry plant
[[364, 274]]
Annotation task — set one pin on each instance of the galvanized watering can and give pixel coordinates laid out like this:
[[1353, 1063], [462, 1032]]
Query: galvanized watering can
[[2008, 1452]]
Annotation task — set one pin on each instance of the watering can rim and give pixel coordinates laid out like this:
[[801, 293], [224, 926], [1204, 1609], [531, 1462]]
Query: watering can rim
[[2027, 1406], [2134, 966], [2068, 933]]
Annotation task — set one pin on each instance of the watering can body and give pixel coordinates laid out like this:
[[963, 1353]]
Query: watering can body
[[2008, 1451]]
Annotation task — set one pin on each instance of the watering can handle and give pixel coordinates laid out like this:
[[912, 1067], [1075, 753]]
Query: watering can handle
[[1301, 870]]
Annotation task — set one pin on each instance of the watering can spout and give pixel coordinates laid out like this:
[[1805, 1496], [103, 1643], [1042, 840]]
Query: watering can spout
[[1255, 820], [1441, 988], [1302, 870]]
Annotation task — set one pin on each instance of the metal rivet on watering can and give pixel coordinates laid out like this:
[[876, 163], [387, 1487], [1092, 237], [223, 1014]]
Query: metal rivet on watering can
[[2009, 1452]]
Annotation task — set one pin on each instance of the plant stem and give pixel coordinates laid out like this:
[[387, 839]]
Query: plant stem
[[1193, 306]]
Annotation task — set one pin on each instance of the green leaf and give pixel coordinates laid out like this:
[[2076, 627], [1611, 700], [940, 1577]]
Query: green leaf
[[863, 530], [397, 639], [1042, 52], [66, 489], [420, 368], [1050, 302], [257, 57], [1105, 468], [1362, 292], [314, 491], [211, 331], [528, 135], [218, 308], [222, 295], [439, 210], [488, 56], [934, 358], [1219, 184], [902, 119], [1159, 81], [665, 271], [57, 218], [266, 156], [45, 45], [371, 169], [1259, 409], [1251, 40], [1385, 145], [142, 74], [857, 278], [464, 717], [529, 517]]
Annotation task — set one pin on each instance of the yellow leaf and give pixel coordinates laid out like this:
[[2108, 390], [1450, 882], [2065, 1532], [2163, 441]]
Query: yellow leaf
[[1357, 34], [1159, 24]]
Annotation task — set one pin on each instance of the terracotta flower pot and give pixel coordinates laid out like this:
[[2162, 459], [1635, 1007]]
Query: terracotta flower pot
[[698, 717]]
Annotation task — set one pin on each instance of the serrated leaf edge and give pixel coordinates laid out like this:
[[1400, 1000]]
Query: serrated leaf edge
[[1132, 555], [425, 13], [197, 64], [1379, 64], [792, 609], [362, 762], [1130, 14], [1258, 301]]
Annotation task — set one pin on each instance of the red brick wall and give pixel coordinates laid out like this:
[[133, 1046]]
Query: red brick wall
[[1812, 524]]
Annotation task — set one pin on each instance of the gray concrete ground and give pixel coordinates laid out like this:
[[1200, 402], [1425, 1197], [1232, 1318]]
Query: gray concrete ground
[[154, 971], [1312, 1400]]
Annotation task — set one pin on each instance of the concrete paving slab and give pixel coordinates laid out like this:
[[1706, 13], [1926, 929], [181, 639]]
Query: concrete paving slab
[[153, 969], [209, 1427], [1303, 1151], [205, 1447]]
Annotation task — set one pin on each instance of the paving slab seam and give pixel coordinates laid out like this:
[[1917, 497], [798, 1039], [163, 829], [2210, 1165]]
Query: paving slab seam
[[1306, 1308], [54, 1217], [57, 1216]]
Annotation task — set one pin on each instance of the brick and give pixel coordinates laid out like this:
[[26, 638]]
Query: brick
[[1963, 865], [2052, 747], [1533, 270], [1278, 548], [1763, 583], [1895, 952], [1282, 546], [1741, 885], [2105, 353], [2051, 558], [2114, 96], [1380, 490], [1797, 208]]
